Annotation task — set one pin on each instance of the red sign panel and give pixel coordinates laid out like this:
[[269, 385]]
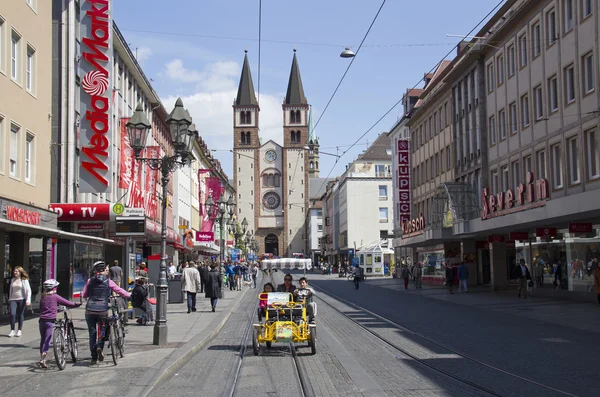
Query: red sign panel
[[214, 189], [403, 147], [204, 237], [520, 236], [580, 227], [22, 215], [545, 232], [533, 194], [496, 239], [86, 212]]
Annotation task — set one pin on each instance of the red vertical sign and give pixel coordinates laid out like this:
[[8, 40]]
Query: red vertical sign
[[126, 158], [214, 189], [403, 181]]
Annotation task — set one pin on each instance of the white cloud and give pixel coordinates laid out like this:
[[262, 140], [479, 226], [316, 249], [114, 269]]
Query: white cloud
[[211, 105], [143, 54]]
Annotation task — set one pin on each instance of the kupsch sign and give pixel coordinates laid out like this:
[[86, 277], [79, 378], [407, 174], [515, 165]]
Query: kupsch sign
[[96, 98], [533, 194]]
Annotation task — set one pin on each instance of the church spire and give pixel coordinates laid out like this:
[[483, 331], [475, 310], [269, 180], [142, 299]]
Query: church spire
[[295, 92], [246, 95]]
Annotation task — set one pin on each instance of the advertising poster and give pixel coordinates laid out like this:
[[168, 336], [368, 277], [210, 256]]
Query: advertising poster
[[214, 188]]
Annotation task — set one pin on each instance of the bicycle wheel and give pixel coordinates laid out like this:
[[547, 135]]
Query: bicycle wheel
[[120, 338], [60, 348], [112, 339], [73, 342]]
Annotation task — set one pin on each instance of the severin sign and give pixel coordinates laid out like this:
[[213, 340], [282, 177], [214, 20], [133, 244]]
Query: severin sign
[[96, 99], [533, 194]]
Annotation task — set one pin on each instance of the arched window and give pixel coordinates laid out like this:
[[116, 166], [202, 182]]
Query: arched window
[[265, 180], [298, 140], [293, 136], [298, 119], [312, 165], [292, 117], [243, 138], [276, 180], [317, 165], [248, 117]]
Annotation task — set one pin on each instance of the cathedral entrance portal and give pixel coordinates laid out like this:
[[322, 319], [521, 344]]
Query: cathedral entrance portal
[[272, 245]]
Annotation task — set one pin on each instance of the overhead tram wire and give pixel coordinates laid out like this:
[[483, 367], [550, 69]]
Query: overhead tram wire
[[400, 100]]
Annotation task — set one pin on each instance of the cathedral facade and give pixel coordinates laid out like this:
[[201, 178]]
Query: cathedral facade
[[271, 180]]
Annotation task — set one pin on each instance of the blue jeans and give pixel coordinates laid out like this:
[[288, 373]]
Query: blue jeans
[[213, 302], [17, 312], [191, 300], [92, 321], [356, 282]]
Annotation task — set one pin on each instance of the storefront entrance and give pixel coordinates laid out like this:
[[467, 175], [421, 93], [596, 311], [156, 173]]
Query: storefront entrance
[[272, 245]]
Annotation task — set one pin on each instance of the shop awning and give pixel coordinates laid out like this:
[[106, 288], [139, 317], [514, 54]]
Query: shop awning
[[49, 232], [206, 248]]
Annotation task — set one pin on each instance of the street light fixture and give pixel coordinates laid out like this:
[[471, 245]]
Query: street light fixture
[[222, 211], [347, 53], [182, 137]]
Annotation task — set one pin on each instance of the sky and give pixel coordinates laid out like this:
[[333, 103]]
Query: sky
[[194, 49]]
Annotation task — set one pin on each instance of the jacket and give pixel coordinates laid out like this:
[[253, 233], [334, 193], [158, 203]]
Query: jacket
[[98, 292], [213, 284], [138, 295], [49, 306], [26, 290], [204, 274], [190, 280]]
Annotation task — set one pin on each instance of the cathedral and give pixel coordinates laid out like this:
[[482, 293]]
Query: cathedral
[[271, 180]]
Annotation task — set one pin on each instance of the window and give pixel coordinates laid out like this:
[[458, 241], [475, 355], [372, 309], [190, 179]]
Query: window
[[319, 228], [553, 94], [448, 158], [512, 117], [541, 164], [592, 138], [380, 170], [15, 51], [525, 111], [2, 145], [556, 167], [245, 117], [573, 157], [319, 213], [536, 32], [500, 69], [2, 43], [568, 15], [495, 182], [586, 8], [511, 60], [492, 127], [383, 214], [551, 24], [29, 158], [516, 174], [569, 80], [502, 124], [523, 50], [587, 65], [527, 165], [30, 70], [383, 192], [490, 82], [14, 150], [295, 117], [505, 186], [383, 234], [539, 106]]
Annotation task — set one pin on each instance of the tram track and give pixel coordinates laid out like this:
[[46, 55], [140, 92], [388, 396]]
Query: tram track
[[421, 361]]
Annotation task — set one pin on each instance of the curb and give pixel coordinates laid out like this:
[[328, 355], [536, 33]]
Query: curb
[[182, 355]]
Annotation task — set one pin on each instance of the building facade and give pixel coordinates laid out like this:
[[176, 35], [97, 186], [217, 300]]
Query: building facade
[[314, 219], [272, 180]]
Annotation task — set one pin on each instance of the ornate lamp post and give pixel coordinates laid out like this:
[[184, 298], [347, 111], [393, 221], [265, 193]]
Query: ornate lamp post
[[222, 211], [182, 134]]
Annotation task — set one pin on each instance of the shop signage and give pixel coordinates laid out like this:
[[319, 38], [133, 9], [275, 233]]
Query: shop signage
[[533, 194], [90, 227], [414, 226], [403, 147], [130, 226], [496, 239], [204, 237], [96, 99], [22, 215], [545, 232], [580, 227], [86, 212], [520, 236]]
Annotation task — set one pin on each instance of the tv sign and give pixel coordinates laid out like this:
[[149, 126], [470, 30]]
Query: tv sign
[[96, 97]]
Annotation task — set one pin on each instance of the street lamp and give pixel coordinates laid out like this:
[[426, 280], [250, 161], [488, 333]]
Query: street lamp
[[182, 136], [222, 211]]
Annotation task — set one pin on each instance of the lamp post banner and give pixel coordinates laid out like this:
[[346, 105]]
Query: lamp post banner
[[127, 160], [202, 194], [95, 66], [214, 189]]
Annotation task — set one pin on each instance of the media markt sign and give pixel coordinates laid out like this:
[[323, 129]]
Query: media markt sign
[[96, 97]]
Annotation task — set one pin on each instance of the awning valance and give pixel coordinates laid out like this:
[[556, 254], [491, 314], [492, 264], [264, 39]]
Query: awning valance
[[49, 232]]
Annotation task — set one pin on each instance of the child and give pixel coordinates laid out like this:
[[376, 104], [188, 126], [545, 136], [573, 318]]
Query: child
[[139, 299], [262, 308], [48, 308]]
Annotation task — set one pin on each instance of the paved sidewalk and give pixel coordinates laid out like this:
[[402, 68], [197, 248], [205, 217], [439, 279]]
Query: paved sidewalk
[[143, 365]]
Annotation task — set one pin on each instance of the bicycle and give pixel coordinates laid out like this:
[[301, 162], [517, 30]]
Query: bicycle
[[112, 330], [64, 339]]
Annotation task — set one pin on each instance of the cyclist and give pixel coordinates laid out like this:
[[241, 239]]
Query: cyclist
[[98, 289], [48, 309]]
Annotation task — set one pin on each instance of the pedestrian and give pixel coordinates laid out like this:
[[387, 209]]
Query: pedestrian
[[19, 296], [357, 277], [230, 276], [450, 278], [597, 280], [254, 275], [522, 275], [203, 277], [463, 277], [139, 300], [405, 275], [190, 283], [214, 283], [418, 275], [172, 270], [34, 281], [48, 309], [116, 273], [142, 271]]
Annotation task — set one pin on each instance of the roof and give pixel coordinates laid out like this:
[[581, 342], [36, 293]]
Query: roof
[[295, 91], [246, 95], [436, 75], [317, 187], [379, 149]]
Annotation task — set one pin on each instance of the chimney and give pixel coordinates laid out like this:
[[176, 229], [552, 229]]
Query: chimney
[[463, 44]]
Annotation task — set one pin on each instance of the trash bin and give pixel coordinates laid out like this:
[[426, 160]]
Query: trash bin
[[175, 292]]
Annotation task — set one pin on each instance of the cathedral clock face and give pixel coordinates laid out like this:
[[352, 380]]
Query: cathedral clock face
[[271, 200], [271, 156]]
